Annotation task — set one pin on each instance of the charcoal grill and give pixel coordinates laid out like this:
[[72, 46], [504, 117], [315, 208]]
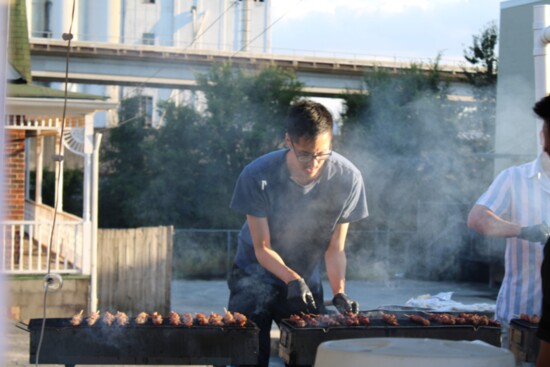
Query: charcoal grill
[[298, 346], [524, 342], [165, 344]]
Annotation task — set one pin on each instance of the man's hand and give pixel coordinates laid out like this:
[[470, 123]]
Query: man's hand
[[299, 297], [538, 233], [344, 304]]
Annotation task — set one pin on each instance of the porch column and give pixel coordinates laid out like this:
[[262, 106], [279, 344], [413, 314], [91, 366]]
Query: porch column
[[39, 154], [87, 235], [59, 164]]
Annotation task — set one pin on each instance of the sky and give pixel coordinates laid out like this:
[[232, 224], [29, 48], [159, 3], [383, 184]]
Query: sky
[[380, 29]]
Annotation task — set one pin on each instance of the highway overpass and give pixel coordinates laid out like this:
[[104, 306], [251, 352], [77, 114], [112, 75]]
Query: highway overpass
[[173, 68]]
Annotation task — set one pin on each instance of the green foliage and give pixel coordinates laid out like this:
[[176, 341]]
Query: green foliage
[[183, 173], [125, 168], [482, 55], [72, 189], [480, 116]]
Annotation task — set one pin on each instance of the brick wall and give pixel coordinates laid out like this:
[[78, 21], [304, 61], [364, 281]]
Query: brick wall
[[15, 174]]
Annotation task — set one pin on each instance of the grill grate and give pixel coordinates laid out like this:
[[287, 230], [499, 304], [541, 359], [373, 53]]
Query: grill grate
[[298, 346], [143, 344]]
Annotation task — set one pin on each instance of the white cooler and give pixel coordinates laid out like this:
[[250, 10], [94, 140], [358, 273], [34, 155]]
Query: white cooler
[[410, 352]]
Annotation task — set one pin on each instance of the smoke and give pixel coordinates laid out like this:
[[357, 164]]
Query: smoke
[[421, 176], [517, 136]]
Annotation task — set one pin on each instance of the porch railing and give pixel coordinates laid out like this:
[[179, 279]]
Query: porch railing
[[26, 247]]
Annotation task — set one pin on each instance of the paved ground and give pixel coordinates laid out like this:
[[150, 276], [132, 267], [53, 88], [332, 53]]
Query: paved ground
[[211, 296]]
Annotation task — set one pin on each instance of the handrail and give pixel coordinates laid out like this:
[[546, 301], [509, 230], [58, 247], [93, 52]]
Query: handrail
[[24, 246]]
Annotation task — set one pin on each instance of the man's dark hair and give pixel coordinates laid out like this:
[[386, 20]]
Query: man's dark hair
[[308, 119], [542, 108]]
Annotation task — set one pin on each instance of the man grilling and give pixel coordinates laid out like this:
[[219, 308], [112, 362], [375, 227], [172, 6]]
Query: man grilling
[[298, 203]]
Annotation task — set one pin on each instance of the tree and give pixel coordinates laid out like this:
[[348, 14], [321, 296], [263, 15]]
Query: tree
[[478, 118], [244, 118], [482, 56], [183, 173], [125, 169]]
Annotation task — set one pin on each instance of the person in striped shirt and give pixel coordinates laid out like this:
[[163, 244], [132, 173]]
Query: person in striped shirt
[[516, 206]]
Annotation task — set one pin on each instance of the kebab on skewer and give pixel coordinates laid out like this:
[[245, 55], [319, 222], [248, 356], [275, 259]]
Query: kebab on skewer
[[363, 319], [92, 318], [108, 318], [187, 320], [419, 320], [443, 318], [77, 318], [351, 320], [390, 319], [174, 318], [297, 321], [533, 319], [228, 318], [156, 318], [310, 320], [326, 320], [121, 318], [201, 318], [240, 319], [215, 319], [141, 318]]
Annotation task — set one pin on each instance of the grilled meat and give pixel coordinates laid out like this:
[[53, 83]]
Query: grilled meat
[[92, 318], [77, 319], [141, 318]]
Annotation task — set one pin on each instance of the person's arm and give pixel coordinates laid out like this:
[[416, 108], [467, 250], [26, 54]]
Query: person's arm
[[267, 257], [335, 259], [487, 223], [543, 359]]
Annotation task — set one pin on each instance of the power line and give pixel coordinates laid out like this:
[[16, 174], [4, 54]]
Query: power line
[[59, 158], [186, 48], [177, 93], [193, 41], [268, 27]]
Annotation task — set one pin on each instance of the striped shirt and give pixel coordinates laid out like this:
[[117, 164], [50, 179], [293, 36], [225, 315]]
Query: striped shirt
[[521, 195]]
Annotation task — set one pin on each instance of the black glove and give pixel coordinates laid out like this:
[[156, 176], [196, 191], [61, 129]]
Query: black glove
[[539, 233], [299, 297], [344, 304]]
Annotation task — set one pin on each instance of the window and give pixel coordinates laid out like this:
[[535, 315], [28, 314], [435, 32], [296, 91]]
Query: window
[[148, 1], [148, 38], [146, 109]]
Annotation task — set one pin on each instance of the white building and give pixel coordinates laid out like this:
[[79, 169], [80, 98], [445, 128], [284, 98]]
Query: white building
[[517, 130], [222, 25]]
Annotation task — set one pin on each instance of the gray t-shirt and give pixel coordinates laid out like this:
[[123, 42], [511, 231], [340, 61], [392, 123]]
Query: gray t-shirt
[[301, 218]]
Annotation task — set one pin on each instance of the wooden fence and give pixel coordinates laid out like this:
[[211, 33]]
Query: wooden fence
[[135, 269]]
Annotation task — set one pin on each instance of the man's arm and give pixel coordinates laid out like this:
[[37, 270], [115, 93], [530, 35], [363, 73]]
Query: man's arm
[[335, 259], [267, 257], [487, 223]]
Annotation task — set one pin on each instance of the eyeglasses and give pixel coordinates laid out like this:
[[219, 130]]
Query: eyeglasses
[[308, 157]]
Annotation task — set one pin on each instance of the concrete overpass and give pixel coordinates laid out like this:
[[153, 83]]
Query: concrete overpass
[[173, 68]]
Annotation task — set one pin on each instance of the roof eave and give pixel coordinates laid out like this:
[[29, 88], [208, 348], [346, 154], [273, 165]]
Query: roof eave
[[54, 106]]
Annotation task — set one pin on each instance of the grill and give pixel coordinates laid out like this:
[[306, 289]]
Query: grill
[[298, 346], [523, 340], [142, 344]]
